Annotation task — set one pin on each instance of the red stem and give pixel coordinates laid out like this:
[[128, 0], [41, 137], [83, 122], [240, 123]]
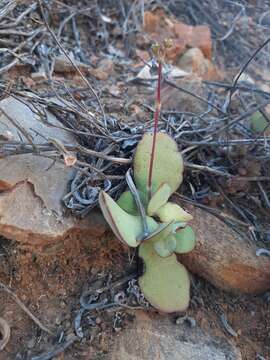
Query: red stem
[[156, 117]]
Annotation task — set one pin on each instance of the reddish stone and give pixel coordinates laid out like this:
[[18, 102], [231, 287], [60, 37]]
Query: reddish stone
[[176, 50], [183, 32], [201, 38], [151, 22], [197, 37], [224, 258], [32, 187]]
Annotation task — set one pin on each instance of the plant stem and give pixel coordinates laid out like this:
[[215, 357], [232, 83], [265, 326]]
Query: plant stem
[[156, 117], [139, 204]]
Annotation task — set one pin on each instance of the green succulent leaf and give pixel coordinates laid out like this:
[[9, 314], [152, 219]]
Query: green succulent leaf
[[126, 227], [127, 203], [168, 163], [159, 198], [161, 232], [185, 240], [178, 225], [166, 246], [165, 282], [259, 124], [173, 212]]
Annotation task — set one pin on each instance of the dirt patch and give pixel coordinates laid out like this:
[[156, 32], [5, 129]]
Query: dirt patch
[[50, 286]]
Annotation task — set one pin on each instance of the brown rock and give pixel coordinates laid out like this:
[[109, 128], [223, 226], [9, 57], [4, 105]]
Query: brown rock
[[201, 38], [27, 81], [177, 49], [151, 22], [212, 72], [194, 61], [159, 27], [156, 337], [63, 65], [25, 218], [39, 75], [224, 258], [183, 32], [104, 69], [32, 187], [195, 37]]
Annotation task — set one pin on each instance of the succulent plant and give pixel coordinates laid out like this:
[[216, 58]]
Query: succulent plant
[[126, 227], [144, 217], [185, 240], [168, 165], [171, 211], [159, 198], [165, 282]]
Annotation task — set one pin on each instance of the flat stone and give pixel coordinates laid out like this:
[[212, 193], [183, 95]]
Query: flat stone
[[63, 65], [193, 61], [157, 337], [224, 258], [32, 187]]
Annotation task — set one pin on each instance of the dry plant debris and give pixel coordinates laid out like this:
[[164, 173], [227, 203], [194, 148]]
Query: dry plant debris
[[88, 57]]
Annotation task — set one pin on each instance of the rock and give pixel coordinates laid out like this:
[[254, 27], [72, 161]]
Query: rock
[[177, 49], [63, 65], [224, 258], [24, 217], [151, 22], [159, 26], [104, 69], [201, 38], [195, 37], [193, 61], [32, 187], [183, 31], [40, 75], [156, 337]]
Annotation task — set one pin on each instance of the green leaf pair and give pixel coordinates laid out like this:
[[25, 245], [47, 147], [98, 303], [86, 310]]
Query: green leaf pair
[[165, 282]]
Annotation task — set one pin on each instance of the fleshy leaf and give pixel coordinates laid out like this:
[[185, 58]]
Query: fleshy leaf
[[173, 212], [127, 203], [185, 240], [259, 124], [168, 163], [165, 282], [165, 247], [178, 225], [126, 227], [161, 232], [159, 198]]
